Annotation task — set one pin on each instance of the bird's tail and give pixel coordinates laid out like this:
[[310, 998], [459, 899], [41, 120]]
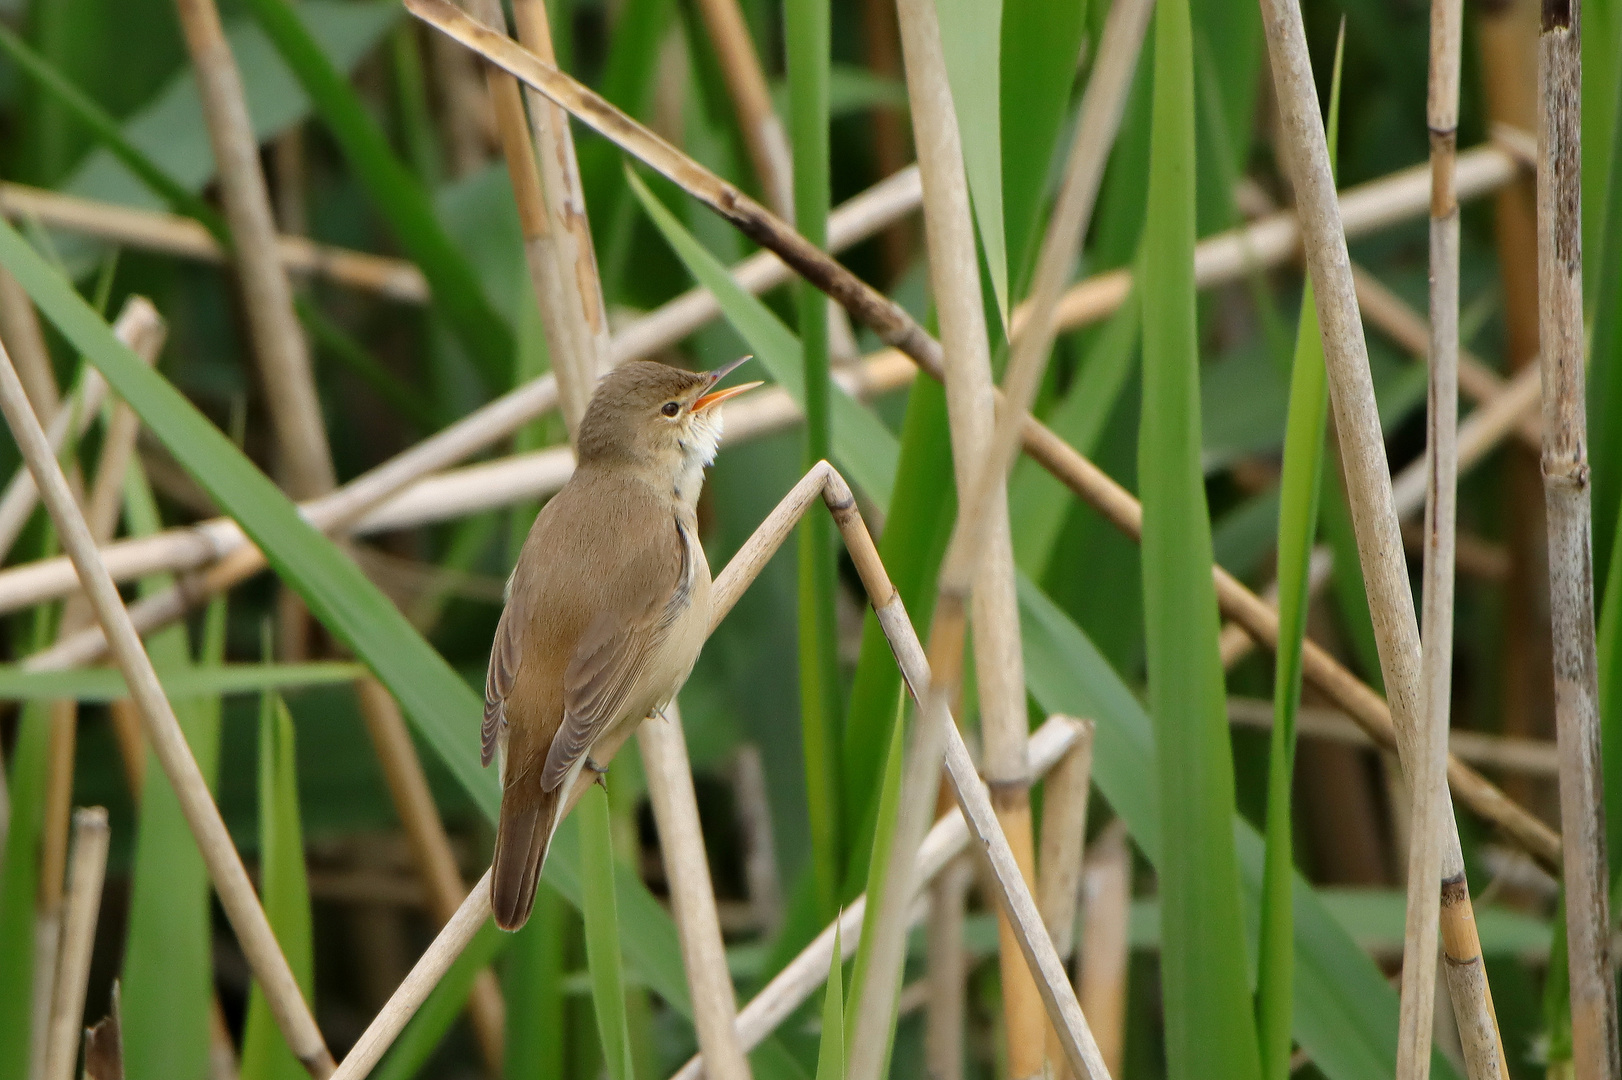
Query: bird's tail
[[528, 819]]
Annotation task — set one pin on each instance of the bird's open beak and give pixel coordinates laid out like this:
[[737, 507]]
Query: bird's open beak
[[715, 397]]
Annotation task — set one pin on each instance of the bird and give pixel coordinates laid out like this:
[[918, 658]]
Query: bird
[[607, 607]]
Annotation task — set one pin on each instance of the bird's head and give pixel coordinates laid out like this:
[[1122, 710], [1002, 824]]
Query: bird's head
[[651, 416]]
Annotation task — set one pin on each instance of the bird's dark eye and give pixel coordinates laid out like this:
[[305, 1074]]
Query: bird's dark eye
[[671, 408]]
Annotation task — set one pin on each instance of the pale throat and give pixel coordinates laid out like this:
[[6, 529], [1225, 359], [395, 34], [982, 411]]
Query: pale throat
[[699, 442]]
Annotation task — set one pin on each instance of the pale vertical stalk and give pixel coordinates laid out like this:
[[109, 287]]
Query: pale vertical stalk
[[430, 849], [1105, 942], [947, 971], [546, 273], [681, 841], [586, 314], [231, 882], [267, 298], [1064, 837], [759, 844], [1368, 485], [90, 835], [1566, 481], [955, 281], [1427, 773], [763, 133]]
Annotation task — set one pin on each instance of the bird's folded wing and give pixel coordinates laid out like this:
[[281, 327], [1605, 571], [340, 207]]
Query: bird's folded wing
[[498, 683], [600, 684]]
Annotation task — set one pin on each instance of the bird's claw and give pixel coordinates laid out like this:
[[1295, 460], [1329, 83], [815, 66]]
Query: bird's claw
[[599, 773]]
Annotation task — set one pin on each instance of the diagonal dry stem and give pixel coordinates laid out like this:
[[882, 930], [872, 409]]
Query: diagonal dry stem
[[231, 882]]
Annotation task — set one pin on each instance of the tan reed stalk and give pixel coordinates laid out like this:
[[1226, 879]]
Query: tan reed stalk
[[231, 882], [576, 257], [1391, 315], [1594, 1036], [954, 271], [287, 162], [430, 850], [1368, 481], [881, 45], [1105, 944], [19, 327], [759, 846], [151, 230], [1505, 753], [1426, 771], [692, 894], [1507, 33], [90, 835], [1064, 837], [71, 419], [763, 133], [946, 970], [278, 340]]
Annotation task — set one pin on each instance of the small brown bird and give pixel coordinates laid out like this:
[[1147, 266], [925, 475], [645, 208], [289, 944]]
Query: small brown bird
[[607, 607]]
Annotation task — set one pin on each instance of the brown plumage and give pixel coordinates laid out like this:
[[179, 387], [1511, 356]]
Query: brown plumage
[[607, 608]]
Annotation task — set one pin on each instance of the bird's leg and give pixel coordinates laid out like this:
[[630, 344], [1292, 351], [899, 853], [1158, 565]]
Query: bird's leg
[[599, 773]]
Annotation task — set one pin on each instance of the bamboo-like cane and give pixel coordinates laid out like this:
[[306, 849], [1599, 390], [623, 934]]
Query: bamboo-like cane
[[692, 895], [955, 284], [90, 836], [231, 882], [267, 298], [587, 319], [1594, 1036], [1368, 481], [1064, 837], [1105, 942], [1426, 770], [946, 970], [762, 129]]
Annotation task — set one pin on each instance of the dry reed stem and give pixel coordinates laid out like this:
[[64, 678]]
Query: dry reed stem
[[954, 271], [1594, 1035], [1106, 946], [1505, 753], [692, 894], [90, 836], [267, 298], [759, 845], [71, 419], [430, 850], [763, 133], [1391, 315], [946, 970], [1426, 771], [1368, 481], [172, 234], [566, 205], [19, 327], [1064, 837], [231, 882]]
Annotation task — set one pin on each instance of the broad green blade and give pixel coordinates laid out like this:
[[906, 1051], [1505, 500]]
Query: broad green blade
[[442, 706], [603, 932], [168, 975], [806, 32], [863, 447], [1297, 532], [971, 38], [1041, 40], [831, 1049], [878, 863], [19, 882], [284, 889], [397, 194], [1205, 988], [533, 983], [179, 683]]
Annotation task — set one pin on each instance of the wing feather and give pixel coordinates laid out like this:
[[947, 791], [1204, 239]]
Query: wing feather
[[498, 683]]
